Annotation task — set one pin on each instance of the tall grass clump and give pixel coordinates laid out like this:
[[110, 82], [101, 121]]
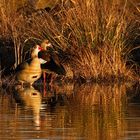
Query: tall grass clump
[[98, 30], [89, 35], [92, 34]]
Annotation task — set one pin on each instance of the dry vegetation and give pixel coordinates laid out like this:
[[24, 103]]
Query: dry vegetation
[[91, 35]]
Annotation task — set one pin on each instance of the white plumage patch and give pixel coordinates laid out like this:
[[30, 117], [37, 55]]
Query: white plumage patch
[[42, 61]]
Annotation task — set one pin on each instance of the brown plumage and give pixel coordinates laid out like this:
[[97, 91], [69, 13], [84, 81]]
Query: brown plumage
[[51, 56], [53, 64], [29, 72]]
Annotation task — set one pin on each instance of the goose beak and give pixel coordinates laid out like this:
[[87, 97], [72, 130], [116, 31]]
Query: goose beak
[[45, 44], [49, 45]]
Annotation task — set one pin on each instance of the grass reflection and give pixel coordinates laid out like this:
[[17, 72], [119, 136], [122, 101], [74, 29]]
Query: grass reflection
[[105, 118], [68, 111]]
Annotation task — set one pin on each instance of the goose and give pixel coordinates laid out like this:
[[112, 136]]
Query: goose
[[53, 65], [29, 72]]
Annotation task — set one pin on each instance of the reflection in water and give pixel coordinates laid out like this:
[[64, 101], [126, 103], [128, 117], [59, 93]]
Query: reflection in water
[[70, 112], [32, 99], [132, 114], [105, 117]]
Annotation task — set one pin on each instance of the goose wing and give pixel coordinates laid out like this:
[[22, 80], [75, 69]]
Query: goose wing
[[53, 67]]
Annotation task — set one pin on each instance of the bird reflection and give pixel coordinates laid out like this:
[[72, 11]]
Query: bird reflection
[[31, 98], [58, 94], [60, 88]]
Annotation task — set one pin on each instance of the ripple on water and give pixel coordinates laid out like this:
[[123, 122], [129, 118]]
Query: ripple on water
[[89, 112]]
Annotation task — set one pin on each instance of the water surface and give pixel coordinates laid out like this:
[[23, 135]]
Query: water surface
[[70, 112]]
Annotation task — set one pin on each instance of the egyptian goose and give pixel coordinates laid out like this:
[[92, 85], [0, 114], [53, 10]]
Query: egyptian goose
[[52, 65], [29, 72]]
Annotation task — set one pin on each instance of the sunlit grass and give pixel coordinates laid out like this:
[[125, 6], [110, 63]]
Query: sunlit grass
[[91, 36]]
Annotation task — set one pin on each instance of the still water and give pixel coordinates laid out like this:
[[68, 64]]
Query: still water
[[70, 112]]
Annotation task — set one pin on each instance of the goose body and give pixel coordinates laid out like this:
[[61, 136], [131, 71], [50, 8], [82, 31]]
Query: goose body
[[53, 65], [29, 72], [51, 57]]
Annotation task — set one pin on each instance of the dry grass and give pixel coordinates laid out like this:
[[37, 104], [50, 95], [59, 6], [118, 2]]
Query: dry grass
[[91, 35]]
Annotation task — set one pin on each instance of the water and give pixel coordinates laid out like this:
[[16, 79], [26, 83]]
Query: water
[[70, 112]]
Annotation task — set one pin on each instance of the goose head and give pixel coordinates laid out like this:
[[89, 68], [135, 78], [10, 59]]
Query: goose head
[[35, 51], [46, 44]]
